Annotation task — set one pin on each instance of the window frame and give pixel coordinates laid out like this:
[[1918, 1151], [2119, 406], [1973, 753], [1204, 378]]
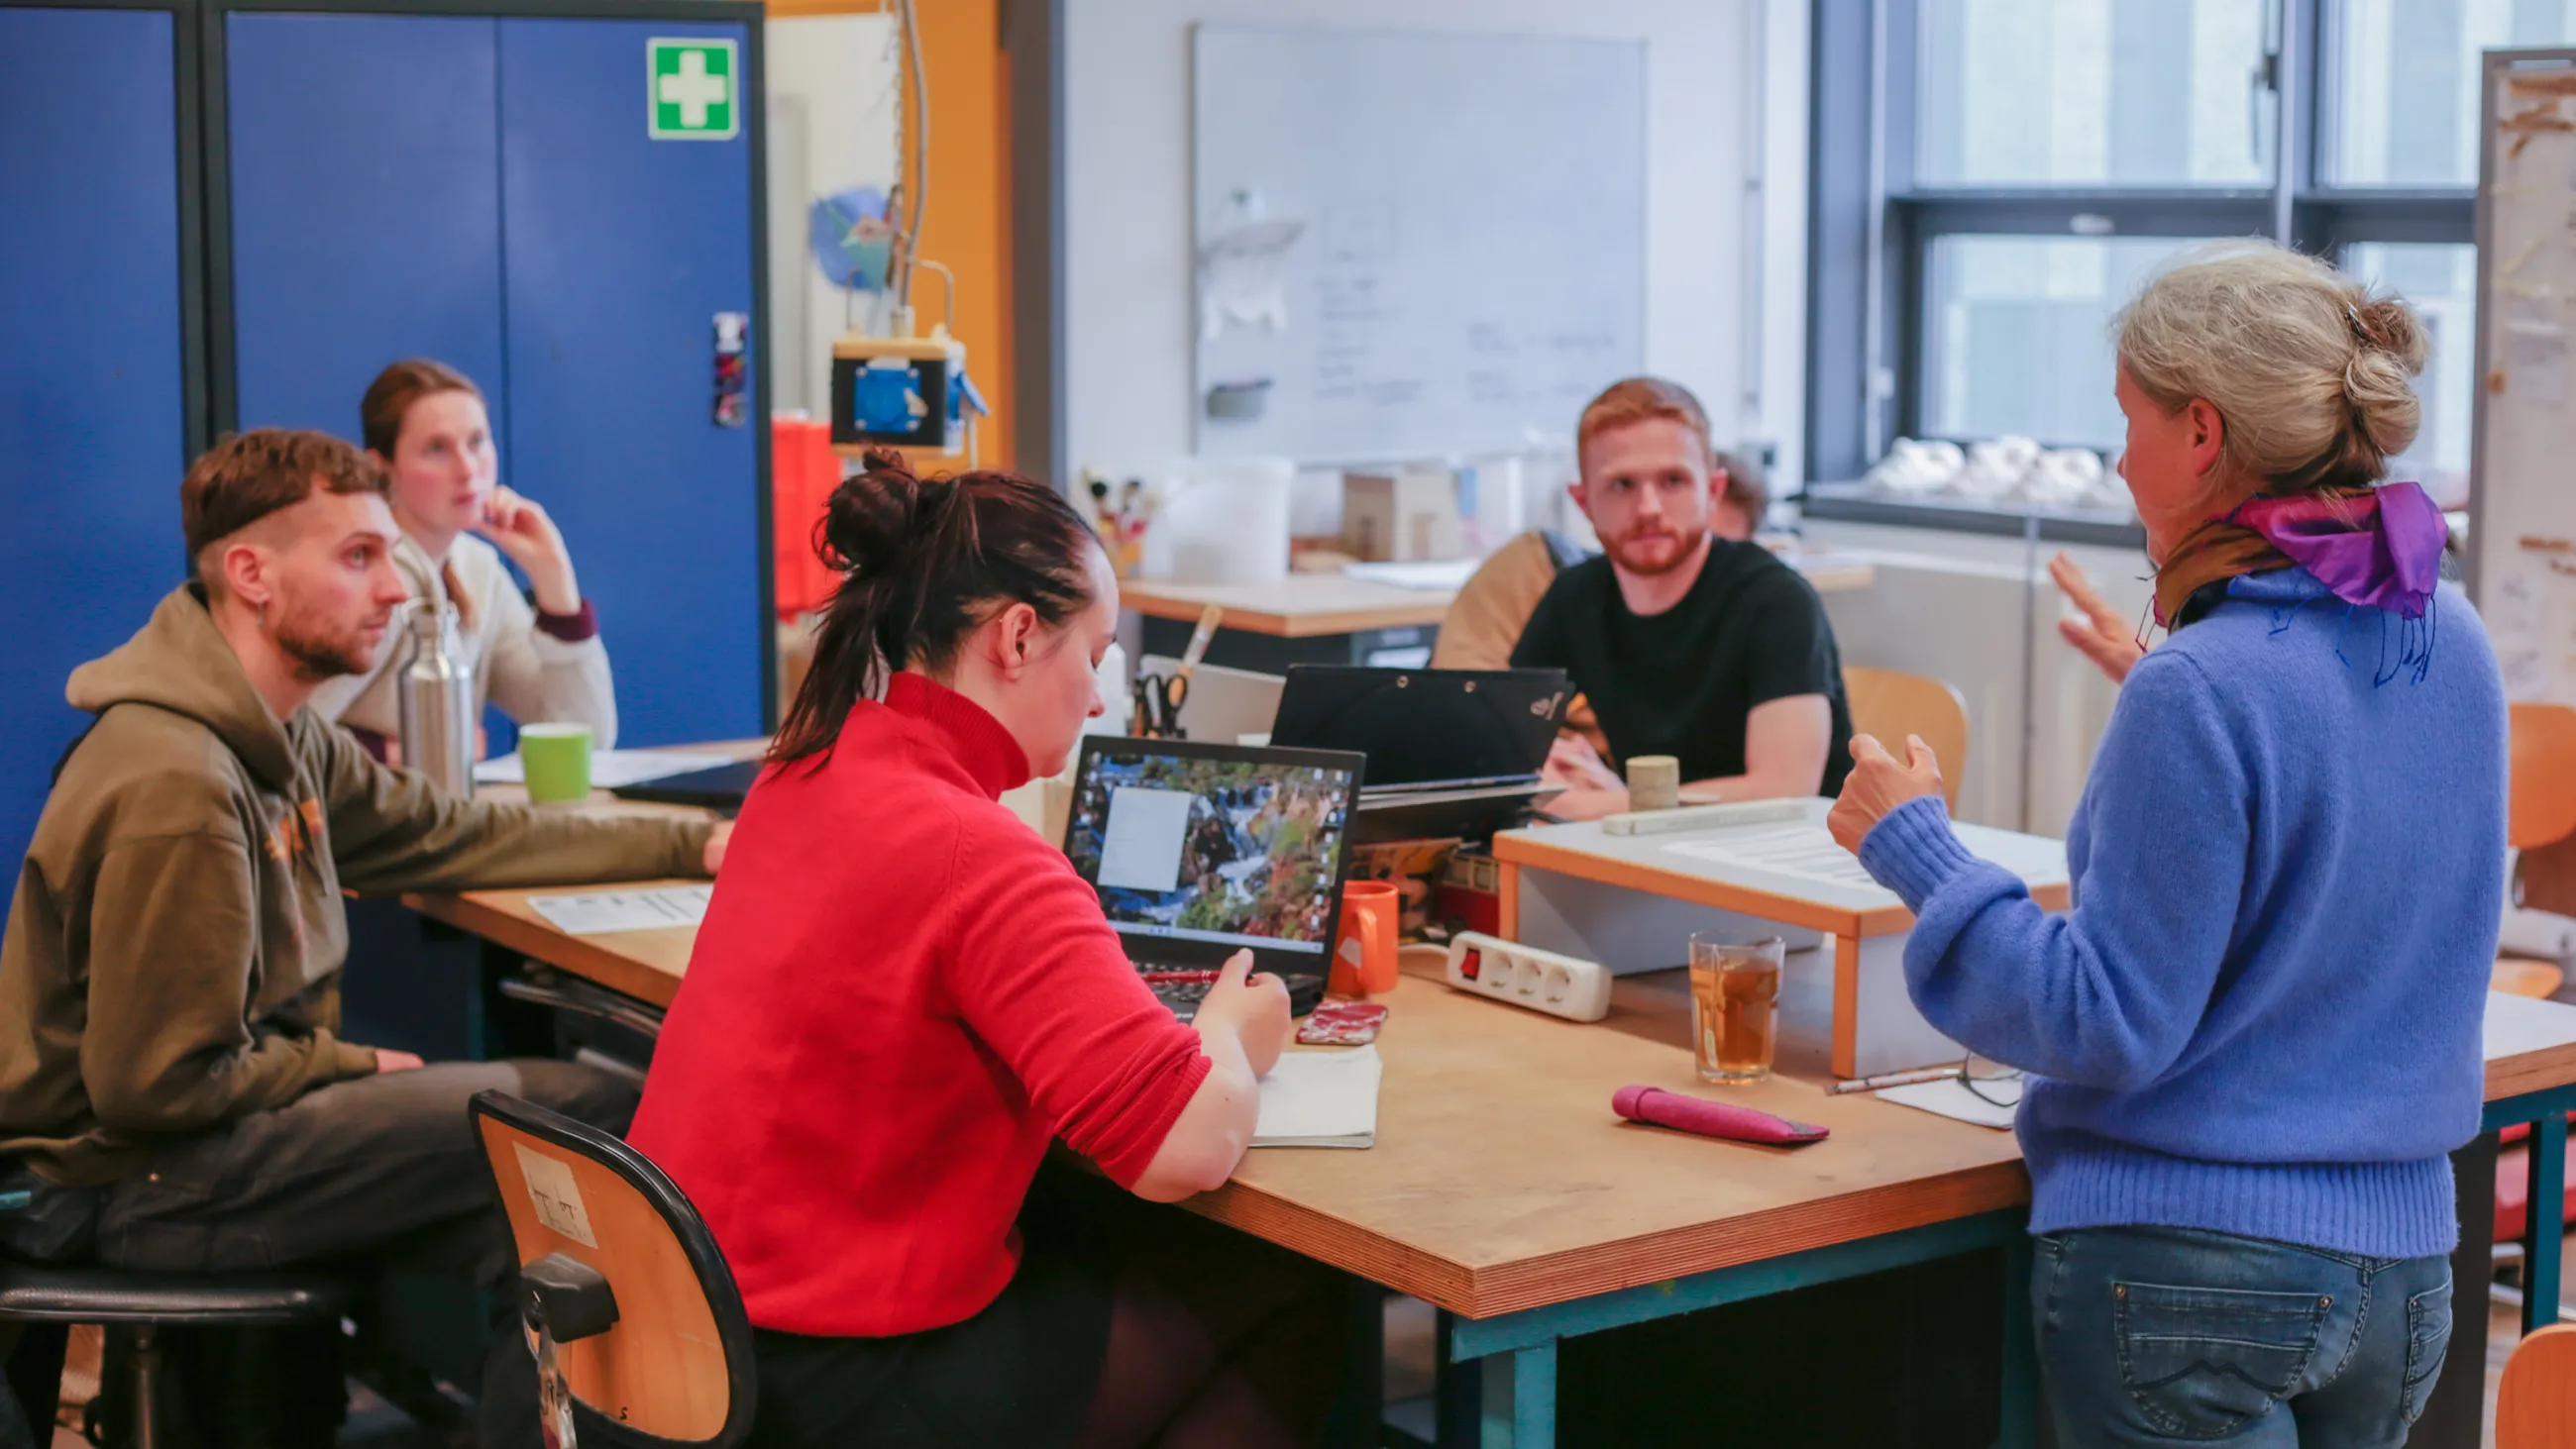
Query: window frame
[[1867, 374]]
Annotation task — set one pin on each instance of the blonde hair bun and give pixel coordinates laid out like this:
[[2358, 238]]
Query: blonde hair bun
[[2313, 374]]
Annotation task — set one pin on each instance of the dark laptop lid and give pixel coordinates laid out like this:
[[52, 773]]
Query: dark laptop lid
[[1425, 726], [1199, 850], [719, 788]]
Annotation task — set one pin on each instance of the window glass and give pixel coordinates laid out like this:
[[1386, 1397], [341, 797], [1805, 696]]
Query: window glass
[[2093, 93], [2407, 70], [2017, 334]]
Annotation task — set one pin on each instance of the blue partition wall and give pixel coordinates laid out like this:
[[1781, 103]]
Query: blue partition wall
[[366, 209], [622, 249], [483, 189], [92, 383]]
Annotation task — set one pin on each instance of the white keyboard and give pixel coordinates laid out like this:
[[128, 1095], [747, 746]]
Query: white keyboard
[[1704, 817]]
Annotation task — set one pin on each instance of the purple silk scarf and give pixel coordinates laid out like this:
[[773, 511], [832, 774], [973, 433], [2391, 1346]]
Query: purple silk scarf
[[2382, 550]]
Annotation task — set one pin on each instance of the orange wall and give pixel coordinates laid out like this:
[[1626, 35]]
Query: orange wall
[[968, 226]]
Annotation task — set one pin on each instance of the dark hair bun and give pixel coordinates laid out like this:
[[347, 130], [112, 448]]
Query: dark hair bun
[[877, 513]]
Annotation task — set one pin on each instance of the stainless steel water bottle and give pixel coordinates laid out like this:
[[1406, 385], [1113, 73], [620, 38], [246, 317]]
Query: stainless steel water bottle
[[434, 703]]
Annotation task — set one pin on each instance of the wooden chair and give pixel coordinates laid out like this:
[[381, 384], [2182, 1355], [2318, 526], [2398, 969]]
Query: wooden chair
[[2536, 1407], [621, 1274], [2541, 776], [1892, 704]]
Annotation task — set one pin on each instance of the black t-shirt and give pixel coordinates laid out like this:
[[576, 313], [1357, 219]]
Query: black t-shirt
[[1681, 682]]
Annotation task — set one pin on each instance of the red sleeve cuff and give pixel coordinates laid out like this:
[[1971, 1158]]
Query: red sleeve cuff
[[572, 628], [1128, 1146]]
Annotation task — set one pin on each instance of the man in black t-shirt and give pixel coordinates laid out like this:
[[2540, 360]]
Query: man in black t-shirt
[[1686, 644]]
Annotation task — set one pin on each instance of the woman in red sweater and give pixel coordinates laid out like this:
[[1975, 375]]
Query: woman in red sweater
[[901, 994]]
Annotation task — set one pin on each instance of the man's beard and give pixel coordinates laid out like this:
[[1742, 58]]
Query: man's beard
[[317, 653], [1620, 550]]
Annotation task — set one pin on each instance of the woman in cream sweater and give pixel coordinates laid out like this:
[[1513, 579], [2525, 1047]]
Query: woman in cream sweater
[[425, 423]]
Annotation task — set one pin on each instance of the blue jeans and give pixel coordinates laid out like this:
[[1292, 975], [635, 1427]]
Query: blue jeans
[[2171, 1335]]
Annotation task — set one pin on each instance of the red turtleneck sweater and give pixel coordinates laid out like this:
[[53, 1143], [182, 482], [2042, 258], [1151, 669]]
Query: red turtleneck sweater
[[899, 995]]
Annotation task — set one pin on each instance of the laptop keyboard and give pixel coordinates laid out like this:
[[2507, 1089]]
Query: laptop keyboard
[[1183, 997]]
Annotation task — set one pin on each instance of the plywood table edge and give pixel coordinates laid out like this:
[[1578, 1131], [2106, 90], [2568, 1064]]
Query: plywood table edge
[[2532, 1071], [1488, 1290], [1513, 851], [542, 943], [1336, 1243], [1520, 851], [1687, 1252], [1303, 624]]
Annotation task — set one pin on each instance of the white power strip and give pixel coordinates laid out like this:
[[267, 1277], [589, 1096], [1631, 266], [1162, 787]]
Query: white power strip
[[1527, 976], [1704, 817]]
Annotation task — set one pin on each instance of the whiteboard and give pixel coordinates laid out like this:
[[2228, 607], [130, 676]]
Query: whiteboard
[[2522, 531], [1472, 264]]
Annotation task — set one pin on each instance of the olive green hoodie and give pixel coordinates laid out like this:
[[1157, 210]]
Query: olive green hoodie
[[172, 959]]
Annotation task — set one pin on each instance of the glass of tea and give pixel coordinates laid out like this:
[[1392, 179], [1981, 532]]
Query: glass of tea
[[1735, 1004]]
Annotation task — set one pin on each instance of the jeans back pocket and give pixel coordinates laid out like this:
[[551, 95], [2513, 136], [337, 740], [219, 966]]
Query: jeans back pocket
[[2428, 1341], [2203, 1362]]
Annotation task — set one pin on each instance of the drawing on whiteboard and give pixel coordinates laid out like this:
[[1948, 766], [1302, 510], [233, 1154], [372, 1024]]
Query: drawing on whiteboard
[[1239, 269], [1473, 263]]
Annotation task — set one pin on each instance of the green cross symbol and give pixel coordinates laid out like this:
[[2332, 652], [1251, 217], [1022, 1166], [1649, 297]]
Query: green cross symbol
[[692, 90]]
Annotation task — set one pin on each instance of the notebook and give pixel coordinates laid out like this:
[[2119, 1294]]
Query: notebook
[[1320, 1099]]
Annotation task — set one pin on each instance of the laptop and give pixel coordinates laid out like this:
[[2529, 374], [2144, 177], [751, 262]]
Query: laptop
[[719, 788], [1198, 850], [1427, 730]]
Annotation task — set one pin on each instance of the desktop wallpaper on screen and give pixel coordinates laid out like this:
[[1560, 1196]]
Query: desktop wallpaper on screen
[[1226, 850]]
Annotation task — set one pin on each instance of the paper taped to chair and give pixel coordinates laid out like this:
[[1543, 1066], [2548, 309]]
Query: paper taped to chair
[[555, 1195]]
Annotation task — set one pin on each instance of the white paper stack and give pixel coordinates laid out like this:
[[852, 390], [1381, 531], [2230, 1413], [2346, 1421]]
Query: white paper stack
[[1320, 1099], [1950, 1097], [598, 912]]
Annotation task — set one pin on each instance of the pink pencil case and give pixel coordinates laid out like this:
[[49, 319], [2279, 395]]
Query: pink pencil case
[[1712, 1119]]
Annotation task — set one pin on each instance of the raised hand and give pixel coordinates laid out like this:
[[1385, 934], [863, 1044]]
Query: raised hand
[[2102, 635]]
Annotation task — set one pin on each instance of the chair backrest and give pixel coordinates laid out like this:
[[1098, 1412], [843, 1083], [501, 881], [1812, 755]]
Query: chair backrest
[[2536, 1406], [676, 1365], [1492, 608], [2541, 780], [1892, 704]]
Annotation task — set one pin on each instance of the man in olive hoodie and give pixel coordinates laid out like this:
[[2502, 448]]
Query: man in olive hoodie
[[172, 1078]]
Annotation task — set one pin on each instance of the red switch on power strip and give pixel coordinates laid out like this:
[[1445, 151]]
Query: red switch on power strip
[[1474, 963]]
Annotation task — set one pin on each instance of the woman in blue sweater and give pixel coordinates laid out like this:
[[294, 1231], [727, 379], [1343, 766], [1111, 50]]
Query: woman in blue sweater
[[2254, 1041]]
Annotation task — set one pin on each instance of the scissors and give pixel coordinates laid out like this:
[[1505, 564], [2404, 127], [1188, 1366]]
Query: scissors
[[1159, 699]]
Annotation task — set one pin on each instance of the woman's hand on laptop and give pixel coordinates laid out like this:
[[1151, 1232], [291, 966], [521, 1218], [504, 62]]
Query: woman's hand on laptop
[[1254, 1008]]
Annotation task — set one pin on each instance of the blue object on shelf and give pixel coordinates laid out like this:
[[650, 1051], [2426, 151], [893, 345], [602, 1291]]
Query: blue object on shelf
[[853, 240]]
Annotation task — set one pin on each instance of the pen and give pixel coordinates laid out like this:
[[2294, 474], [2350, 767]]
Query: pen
[[1891, 1079], [1178, 978]]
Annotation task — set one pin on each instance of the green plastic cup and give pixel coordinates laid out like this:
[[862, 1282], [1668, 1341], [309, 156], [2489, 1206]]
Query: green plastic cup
[[556, 758]]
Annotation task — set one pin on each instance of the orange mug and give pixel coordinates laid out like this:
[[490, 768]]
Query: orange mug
[[1364, 946]]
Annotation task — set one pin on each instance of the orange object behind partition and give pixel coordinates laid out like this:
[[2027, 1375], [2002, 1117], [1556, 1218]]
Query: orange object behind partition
[[803, 471]]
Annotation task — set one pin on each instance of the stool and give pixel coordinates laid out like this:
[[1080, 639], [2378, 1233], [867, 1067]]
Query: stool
[[145, 1303]]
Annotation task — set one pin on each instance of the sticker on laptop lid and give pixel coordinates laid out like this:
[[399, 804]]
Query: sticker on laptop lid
[[557, 1198]]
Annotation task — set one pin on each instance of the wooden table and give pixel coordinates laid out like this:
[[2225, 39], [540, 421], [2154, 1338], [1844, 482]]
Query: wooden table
[[1308, 606], [1503, 1190], [1336, 619]]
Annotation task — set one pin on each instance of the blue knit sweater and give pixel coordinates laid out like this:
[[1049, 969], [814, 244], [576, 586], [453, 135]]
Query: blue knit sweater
[[2262, 1015]]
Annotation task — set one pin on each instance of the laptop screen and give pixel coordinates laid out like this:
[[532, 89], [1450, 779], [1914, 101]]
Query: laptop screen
[[1212, 845]]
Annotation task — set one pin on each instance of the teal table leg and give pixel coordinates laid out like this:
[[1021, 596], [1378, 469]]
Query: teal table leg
[[2544, 1230], [2019, 1425], [1531, 1420]]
